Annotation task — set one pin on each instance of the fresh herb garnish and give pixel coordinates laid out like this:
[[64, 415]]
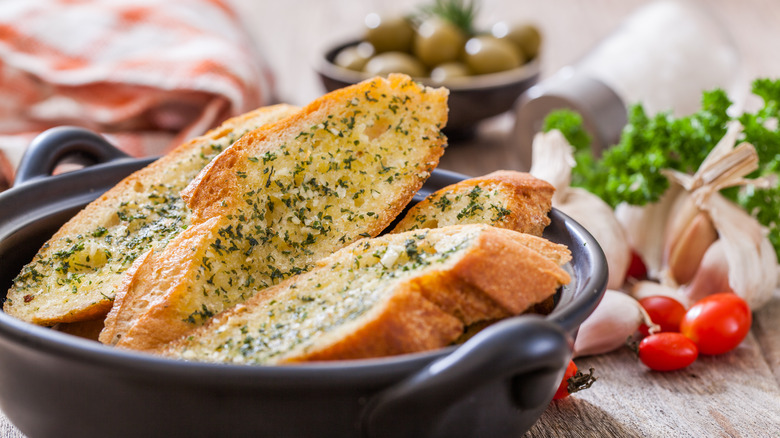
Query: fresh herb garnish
[[630, 171]]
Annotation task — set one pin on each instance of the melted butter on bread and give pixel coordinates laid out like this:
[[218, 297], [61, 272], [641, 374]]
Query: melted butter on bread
[[360, 303], [280, 199], [505, 199], [75, 275]]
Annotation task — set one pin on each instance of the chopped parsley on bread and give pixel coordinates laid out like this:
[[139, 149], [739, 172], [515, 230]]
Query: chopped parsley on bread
[[505, 199], [257, 243], [398, 293], [75, 275], [280, 199]]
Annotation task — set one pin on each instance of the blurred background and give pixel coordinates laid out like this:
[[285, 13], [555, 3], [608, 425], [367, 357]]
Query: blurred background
[[149, 75], [293, 33], [293, 36]]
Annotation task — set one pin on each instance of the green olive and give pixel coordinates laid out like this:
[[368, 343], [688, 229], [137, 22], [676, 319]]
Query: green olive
[[449, 70], [388, 34], [438, 41], [487, 54], [525, 36], [395, 62], [354, 57]]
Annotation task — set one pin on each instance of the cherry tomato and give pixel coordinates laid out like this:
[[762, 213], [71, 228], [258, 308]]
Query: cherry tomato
[[637, 268], [667, 351], [664, 311], [573, 381], [717, 323], [563, 388]]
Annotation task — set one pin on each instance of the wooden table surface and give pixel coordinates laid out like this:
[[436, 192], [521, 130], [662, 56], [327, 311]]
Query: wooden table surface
[[733, 395]]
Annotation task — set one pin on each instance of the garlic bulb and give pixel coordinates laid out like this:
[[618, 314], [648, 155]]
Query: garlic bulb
[[553, 161], [751, 259], [617, 317]]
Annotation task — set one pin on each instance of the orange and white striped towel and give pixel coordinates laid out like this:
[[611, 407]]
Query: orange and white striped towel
[[146, 73]]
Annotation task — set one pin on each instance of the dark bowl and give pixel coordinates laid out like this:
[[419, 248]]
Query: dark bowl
[[471, 100], [496, 384]]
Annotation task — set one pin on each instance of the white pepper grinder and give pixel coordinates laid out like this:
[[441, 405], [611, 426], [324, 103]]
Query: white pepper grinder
[[662, 56]]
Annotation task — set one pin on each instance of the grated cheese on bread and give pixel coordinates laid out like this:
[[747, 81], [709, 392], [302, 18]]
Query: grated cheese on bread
[[281, 198], [75, 274], [395, 294]]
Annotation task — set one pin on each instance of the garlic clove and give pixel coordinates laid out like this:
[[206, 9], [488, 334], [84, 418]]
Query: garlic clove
[[597, 217], [644, 289], [553, 159], [689, 247], [644, 228], [712, 275], [617, 317], [681, 212], [752, 261]]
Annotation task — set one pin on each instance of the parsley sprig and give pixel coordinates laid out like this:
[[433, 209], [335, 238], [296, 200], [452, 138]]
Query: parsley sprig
[[630, 171]]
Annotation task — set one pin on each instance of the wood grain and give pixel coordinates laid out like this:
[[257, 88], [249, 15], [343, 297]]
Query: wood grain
[[733, 395]]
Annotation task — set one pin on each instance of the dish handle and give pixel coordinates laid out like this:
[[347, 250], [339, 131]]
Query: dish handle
[[60, 145], [515, 364]]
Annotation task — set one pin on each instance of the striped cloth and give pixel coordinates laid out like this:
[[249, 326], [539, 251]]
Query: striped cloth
[[148, 74]]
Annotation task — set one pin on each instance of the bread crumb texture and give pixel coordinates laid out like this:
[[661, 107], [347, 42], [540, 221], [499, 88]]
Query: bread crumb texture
[[75, 274], [505, 199], [286, 195], [377, 297]]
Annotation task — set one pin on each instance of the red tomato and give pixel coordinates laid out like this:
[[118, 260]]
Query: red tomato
[[717, 323], [664, 311], [573, 381], [637, 268], [563, 388], [667, 351]]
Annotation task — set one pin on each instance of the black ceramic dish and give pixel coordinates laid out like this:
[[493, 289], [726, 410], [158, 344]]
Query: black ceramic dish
[[497, 384], [471, 99]]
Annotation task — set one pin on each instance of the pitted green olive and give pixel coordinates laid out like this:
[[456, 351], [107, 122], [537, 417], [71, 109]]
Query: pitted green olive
[[487, 54], [395, 62], [525, 37], [354, 57], [388, 33], [449, 70], [438, 41]]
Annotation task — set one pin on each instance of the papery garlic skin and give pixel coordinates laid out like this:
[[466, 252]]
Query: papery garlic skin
[[616, 318], [644, 289], [598, 218], [712, 275], [553, 161], [645, 227], [752, 261], [675, 236], [689, 246]]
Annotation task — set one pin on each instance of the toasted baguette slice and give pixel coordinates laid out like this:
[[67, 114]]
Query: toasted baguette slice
[[283, 197], [389, 295], [505, 199], [75, 274]]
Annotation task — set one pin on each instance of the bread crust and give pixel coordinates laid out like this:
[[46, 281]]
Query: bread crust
[[147, 310], [504, 198], [211, 193], [284, 196], [39, 295], [429, 310]]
